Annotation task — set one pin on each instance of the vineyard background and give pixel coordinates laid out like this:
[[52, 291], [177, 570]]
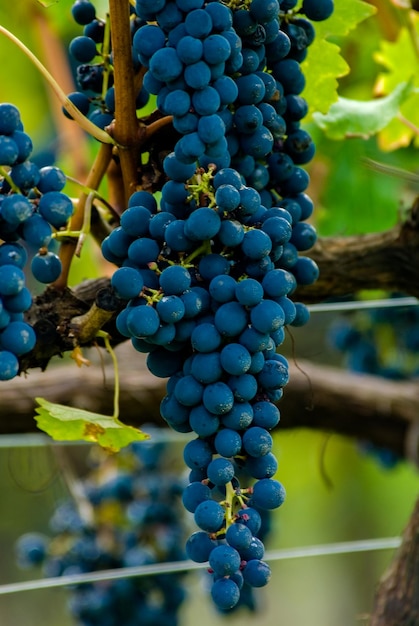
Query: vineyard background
[[335, 491]]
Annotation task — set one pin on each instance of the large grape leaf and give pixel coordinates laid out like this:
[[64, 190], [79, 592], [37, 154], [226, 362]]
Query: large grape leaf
[[356, 118], [324, 63], [399, 60], [64, 423]]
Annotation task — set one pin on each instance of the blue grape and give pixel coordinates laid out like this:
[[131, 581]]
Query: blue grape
[[202, 422], [256, 573], [18, 338], [46, 266], [209, 516], [225, 593], [318, 10], [222, 288], [249, 292], [244, 386], [199, 546], [9, 118], [239, 417], [127, 282], [135, 221], [9, 365], [235, 359], [188, 391], [220, 471], [143, 321], [251, 518], [239, 536], [266, 414], [194, 494], [52, 178], [205, 338], [227, 442], [204, 223], [267, 494], [143, 251], [25, 175], [36, 231], [257, 441], [15, 209], [197, 454], [12, 280], [262, 466], [56, 208], [83, 49], [224, 560], [83, 12], [218, 398], [9, 151]]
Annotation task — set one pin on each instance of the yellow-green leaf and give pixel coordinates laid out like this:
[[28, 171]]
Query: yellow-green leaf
[[321, 89], [355, 118], [345, 17], [64, 423], [324, 63], [399, 60]]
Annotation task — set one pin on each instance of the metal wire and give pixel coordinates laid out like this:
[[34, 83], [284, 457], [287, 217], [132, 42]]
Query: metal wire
[[345, 547], [357, 305]]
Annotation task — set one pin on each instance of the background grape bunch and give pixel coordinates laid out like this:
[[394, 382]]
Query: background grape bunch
[[207, 274], [129, 514], [32, 208]]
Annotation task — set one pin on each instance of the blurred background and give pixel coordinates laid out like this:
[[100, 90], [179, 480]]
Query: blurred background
[[336, 491]]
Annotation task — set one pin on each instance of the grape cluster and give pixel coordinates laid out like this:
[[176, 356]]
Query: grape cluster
[[209, 275], [92, 52], [383, 342], [137, 520], [32, 207]]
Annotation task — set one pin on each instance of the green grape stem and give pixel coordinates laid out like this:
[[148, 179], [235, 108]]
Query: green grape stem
[[7, 177], [81, 119], [109, 348]]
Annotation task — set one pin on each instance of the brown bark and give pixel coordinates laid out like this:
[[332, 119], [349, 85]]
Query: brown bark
[[388, 260], [317, 397], [397, 598]]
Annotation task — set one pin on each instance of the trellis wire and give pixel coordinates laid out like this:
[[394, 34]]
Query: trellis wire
[[357, 305], [345, 547]]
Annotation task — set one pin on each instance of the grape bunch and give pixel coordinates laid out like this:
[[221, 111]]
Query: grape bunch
[[136, 519], [32, 208], [209, 274], [383, 342]]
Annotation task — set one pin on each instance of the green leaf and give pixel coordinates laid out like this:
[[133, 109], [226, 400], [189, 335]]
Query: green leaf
[[65, 423], [321, 89], [324, 63], [345, 17], [399, 60], [354, 118]]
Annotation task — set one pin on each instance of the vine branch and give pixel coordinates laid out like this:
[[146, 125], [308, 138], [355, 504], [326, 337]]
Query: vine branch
[[125, 129]]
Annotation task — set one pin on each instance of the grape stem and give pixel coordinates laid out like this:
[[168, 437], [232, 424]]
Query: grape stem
[[204, 249], [154, 127], [85, 229], [109, 349], [7, 177], [72, 110], [69, 246]]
